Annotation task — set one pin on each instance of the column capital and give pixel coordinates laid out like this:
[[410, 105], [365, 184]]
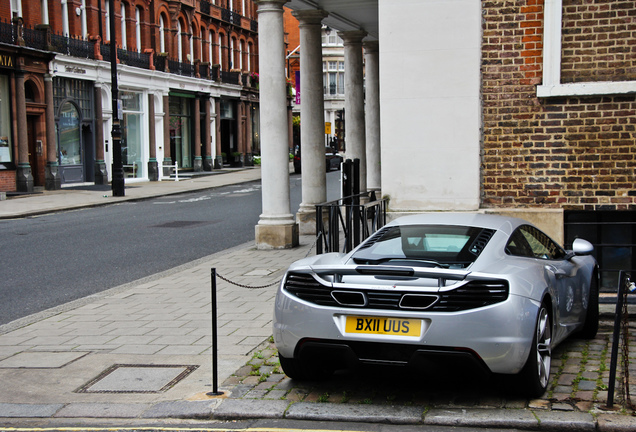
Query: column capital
[[352, 36], [310, 16], [371, 46], [269, 5]]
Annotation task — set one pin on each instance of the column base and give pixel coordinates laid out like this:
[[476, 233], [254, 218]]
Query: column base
[[24, 178], [198, 164], [52, 179], [207, 163], [101, 173], [218, 162], [277, 236], [153, 170]]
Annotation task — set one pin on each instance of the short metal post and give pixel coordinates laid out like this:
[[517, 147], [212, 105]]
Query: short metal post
[[215, 384], [616, 340], [176, 171]]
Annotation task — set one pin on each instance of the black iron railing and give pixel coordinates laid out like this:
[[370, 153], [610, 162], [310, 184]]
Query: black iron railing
[[230, 77], [71, 46], [133, 58], [7, 32], [355, 221], [35, 38], [356, 215]]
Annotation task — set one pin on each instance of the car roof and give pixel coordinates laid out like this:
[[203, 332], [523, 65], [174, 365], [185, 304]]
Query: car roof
[[497, 222]]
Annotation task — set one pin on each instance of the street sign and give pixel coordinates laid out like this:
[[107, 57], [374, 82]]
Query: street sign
[[328, 128]]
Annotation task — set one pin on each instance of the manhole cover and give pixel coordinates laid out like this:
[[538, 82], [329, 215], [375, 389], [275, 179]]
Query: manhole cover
[[137, 379]]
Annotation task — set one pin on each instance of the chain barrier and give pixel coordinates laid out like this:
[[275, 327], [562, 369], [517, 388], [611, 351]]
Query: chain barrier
[[268, 285]]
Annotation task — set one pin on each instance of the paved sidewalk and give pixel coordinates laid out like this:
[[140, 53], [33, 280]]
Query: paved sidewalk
[[141, 353]]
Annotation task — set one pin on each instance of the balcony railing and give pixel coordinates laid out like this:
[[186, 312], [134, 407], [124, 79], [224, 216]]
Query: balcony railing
[[133, 58], [74, 47]]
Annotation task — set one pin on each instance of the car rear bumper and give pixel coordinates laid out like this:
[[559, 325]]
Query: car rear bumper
[[496, 338]]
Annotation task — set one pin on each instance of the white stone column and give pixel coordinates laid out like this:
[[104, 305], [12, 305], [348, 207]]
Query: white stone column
[[372, 110], [276, 227], [312, 115], [355, 139]]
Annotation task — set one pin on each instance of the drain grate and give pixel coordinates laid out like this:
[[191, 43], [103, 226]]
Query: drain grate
[[130, 378]]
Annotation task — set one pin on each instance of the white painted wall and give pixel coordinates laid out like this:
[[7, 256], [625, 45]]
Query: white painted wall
[[430, 53]]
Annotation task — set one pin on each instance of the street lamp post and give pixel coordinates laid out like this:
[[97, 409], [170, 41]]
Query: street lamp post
[[118, 169]]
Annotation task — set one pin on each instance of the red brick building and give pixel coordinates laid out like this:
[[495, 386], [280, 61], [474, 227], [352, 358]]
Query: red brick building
[[187, 73]]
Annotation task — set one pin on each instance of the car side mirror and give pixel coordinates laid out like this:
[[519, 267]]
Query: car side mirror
[[582, 247]]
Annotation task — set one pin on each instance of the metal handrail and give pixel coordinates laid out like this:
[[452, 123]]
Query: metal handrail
[[357, 221]]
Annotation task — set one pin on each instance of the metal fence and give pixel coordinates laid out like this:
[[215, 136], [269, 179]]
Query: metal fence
[[354, 217]]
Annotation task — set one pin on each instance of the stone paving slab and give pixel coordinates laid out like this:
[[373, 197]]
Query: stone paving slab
[[15, 410], [360, 413], [102, 410], [241, 409]]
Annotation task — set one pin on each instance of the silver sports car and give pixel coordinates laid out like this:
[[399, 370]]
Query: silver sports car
[[468, 290]]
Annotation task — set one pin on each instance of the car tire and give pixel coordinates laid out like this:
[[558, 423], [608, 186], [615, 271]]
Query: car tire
[[535, 375], [590, 327], [301, 371]]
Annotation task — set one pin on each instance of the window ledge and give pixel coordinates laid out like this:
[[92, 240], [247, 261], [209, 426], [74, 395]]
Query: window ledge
[[587, 89]]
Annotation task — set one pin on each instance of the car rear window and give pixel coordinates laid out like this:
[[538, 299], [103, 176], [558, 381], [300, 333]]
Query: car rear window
[[442, 245]]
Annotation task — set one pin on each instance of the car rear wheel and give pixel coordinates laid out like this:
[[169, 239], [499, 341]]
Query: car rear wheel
[[535, 375], [590, 327], [302, 371]]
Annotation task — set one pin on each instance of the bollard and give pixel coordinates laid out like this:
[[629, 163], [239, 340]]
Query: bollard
[[623, 286], [215, 384]]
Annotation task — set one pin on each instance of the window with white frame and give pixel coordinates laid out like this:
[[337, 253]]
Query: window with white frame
[[16, 8], [138, 28], [162, 35], [124, 45], [551, 85], [333, 77]]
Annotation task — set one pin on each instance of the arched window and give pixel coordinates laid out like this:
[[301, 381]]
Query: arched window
[[138, 28], [210, 43], [107, 16], [232, 54], [124, 45], [249, 56], [162, 35], [84, 28], [221, 51], [242, 55], [65, 25], [191, 47], [179, 46]]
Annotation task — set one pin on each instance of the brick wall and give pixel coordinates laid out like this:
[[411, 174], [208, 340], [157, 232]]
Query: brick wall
[[571, 152], [598, 41], [7, 181]]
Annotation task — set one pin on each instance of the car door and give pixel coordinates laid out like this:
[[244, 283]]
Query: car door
[[562, 274]]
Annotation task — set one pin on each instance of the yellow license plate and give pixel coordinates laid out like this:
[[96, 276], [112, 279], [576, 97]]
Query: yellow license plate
[[383, 326]]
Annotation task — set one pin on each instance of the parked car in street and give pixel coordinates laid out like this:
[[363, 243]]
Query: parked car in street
[[332, 159], [490, 293]]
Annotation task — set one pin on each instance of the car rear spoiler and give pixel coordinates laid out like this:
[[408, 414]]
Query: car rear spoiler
[[442, 275]]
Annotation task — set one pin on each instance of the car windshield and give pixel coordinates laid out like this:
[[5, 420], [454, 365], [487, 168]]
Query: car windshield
[[446, 246]]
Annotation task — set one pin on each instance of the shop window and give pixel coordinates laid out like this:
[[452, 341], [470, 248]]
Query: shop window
[[6, 156], [69, 132]]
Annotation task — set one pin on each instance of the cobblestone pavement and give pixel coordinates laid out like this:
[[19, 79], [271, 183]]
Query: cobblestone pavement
[[579, 383]]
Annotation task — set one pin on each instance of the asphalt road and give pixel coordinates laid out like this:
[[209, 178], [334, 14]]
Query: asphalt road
[[52, 259]]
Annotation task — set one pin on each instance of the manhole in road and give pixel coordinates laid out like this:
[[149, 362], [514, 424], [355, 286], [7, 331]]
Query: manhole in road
[[137, 379]]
